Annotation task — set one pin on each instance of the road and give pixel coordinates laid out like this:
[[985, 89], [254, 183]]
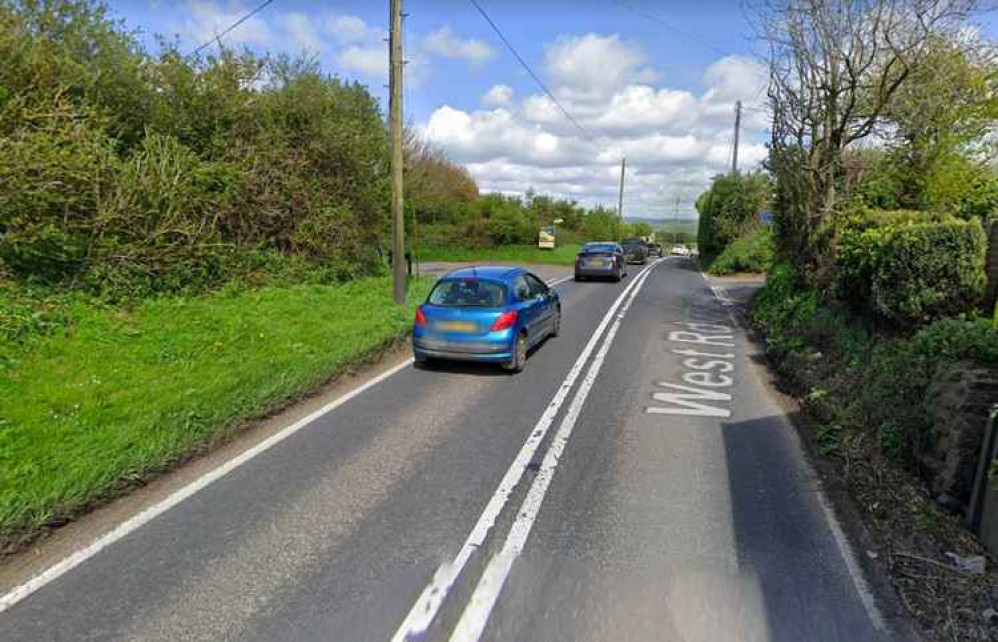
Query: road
[[625, 486]]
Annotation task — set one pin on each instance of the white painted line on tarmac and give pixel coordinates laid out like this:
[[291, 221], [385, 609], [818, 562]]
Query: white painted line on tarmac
[[845, 550], [479, 608], [859, 582], [554, 282], [129, 526], [428, 604]]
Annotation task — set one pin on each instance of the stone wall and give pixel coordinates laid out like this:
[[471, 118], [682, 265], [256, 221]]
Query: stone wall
[[958, 401]]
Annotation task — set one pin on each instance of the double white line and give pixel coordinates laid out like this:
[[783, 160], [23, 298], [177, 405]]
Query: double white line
[[479, 607]]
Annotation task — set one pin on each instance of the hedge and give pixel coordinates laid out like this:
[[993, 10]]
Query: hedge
[[909, 267]]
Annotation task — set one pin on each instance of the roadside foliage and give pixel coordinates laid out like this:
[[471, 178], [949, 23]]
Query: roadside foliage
[[882, 157]]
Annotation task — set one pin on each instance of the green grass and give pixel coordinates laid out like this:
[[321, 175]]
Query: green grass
[[750, 253], [561, 255], [97, 404]]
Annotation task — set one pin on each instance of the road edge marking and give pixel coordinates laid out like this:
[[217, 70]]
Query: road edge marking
[[135, 522], [859, 581], [424, 610], [479, 607]]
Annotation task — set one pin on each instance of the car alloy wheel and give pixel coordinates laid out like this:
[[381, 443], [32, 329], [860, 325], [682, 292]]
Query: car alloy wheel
[[519, 355]]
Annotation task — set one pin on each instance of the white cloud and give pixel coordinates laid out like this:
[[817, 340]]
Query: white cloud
[[351, 30], [498, 96], [370, 62], [443, 42], [674, 140], [301, 30], [484, 135], [593, 67]]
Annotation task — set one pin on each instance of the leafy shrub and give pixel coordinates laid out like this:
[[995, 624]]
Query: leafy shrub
[[729, 209], [874, 385], [131, 174], [750, 253], [909, 267], [929, 271], [783, 309]]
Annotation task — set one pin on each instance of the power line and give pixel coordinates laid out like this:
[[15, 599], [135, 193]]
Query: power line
[[218, 37], [530, 71], [692, 37]]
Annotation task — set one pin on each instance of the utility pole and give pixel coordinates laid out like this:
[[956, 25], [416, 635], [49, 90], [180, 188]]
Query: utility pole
[[620, 197], [738, 126], [395, 131]]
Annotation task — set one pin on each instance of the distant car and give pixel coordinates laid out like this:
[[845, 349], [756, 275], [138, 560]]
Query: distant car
[[635, 251], [654, 250], [604, 259], [680, 250], [491, 314]]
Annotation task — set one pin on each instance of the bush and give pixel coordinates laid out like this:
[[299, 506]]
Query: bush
[[750, 253], [930, 271], [729, 209], [909, 267], [131, 174]]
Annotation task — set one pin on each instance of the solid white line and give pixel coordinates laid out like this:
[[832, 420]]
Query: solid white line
[[858, 581], [134, 523], [427, 605], [479, 607], [845, 550], [554, 282]]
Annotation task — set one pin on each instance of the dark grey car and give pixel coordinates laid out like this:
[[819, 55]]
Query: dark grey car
[[635, 251], [600, 260]]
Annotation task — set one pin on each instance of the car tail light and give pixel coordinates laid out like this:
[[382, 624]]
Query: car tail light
[[420, 318], [505, 321]]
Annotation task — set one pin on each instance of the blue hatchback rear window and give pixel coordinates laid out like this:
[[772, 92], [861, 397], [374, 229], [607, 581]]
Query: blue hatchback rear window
[[468, 292]]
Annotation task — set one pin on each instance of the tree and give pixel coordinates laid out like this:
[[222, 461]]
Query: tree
[[938, 121], [835, 67], [436, 188], [642, 229], [730, 208]]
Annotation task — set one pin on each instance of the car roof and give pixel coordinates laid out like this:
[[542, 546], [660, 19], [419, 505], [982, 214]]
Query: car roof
[[601, 243], [496, 272]]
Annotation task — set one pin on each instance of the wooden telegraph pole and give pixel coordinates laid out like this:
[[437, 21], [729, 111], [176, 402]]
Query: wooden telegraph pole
[[620, 194], [395, 131], [738, 127]]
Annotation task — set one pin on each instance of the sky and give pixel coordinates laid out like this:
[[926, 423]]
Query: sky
[[655, 81]]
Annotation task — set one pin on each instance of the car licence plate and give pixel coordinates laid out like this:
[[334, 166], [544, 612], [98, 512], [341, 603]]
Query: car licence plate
[[457, 326], [596, 263]]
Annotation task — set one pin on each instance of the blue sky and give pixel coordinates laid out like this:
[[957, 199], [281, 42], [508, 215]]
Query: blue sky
[[662, 97]]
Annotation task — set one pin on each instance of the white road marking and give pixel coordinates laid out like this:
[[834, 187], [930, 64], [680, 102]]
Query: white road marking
[[845, 550], [479, 608], [428, 604], [858, 580], [129, 526], [554, 282], [722, 295]]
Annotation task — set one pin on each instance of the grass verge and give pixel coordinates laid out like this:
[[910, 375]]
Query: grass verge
[[561, 255], [864, 393], [109, 397]]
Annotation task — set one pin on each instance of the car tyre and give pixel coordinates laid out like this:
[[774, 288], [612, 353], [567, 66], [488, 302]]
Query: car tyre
[[579, 278], [618, 276], [519, 355], [556, 326]]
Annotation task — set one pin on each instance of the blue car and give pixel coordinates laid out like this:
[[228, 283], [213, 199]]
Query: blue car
[[491, 314]]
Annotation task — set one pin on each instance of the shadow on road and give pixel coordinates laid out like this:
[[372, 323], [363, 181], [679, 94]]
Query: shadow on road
[[783, 540]]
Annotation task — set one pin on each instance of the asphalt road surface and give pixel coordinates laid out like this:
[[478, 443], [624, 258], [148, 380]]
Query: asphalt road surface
[[637, 481]]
